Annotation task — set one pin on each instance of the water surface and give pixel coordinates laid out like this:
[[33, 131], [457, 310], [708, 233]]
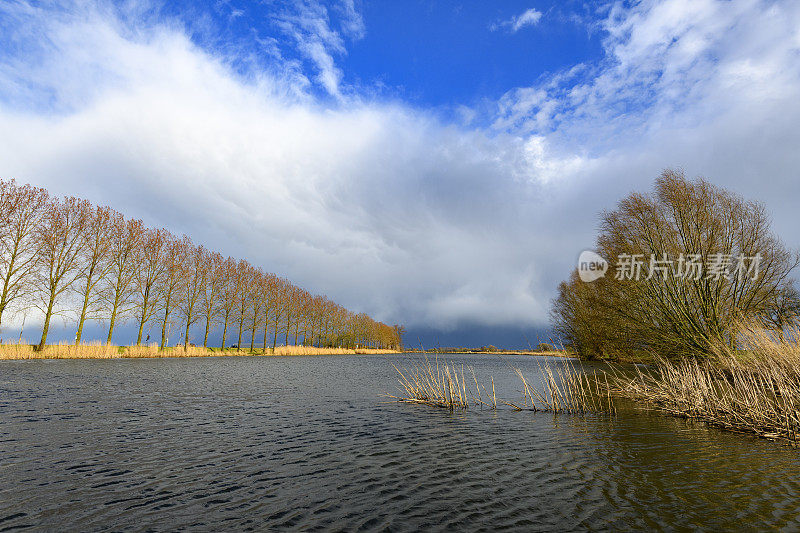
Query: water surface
[[309, 443]]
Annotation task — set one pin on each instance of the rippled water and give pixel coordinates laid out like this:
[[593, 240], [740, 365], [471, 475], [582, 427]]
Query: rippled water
[[309, 443]]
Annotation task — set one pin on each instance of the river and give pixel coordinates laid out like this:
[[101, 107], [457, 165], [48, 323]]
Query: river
[[238, 443]]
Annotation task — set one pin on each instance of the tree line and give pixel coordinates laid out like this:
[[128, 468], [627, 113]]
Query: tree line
[[68, 257], [665, 311]]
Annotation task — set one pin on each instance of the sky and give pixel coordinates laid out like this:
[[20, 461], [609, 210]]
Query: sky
[[435, 164]]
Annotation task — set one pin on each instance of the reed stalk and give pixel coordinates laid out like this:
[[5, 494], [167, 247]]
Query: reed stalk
[[753, 389], [561, 390]]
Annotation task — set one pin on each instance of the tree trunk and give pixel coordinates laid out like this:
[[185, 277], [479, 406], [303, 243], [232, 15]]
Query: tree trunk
[[225, 331], [82, 319], [186, 338], [111, 325], [46, 326], [164, 327], [141, 330], [205, 339]]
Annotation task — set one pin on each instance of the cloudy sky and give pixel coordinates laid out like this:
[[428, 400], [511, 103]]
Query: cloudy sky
[[439, 165]]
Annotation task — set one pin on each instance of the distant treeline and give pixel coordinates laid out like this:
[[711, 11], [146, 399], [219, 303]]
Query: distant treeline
[[65, 256], [541, 347]]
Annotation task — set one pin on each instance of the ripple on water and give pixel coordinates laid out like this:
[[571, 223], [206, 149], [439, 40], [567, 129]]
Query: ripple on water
[[308, 443]]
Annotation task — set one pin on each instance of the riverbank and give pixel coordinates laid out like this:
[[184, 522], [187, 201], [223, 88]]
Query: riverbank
[[753, 389], [99, 351]]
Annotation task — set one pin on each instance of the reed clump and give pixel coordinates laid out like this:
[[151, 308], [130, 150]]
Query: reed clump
[[96, 350], [16, 350], [561, 389], [92, 350], [313, 350], [438, 386], [751, 388], [566, 389]]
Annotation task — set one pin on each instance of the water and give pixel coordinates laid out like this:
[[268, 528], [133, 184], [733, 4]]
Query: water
[[309, 443]]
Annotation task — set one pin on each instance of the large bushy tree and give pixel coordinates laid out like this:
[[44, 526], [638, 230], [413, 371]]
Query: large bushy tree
[[676, 308]]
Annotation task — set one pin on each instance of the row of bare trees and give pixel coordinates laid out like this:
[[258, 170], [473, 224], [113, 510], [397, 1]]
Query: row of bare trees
[[67, 257]]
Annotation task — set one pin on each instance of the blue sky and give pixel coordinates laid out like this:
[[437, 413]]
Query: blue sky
[[437, 164], [432, 54]]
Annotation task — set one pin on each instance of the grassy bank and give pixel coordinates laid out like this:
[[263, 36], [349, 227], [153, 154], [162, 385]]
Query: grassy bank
[[99, 351], [752, 389]]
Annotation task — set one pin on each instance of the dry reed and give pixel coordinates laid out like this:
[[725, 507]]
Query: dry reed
[[755, 390], [562, 389], [97, 350]]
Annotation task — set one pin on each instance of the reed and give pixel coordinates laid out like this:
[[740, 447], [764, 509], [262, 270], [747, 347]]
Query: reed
[[92, 350], [313, 350], [562, 389], [565, 388], [16, 350], [437, 386], [755, 391], [96, 350]]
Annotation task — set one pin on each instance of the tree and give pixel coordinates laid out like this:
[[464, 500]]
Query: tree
[[210, 300], [244, 275], [126, 239], [269, 297], [151, 260], [281, 296], [194, 276], [59, 237], [22, 208], [254, 293], [682, 225], [172, 280], [229, 295], [94, 259]]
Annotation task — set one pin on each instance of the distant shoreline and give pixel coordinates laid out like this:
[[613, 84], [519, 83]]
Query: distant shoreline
[[555, 353]]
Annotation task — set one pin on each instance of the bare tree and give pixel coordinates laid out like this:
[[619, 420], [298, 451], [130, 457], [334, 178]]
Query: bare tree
[[22, 208], [279, 307], [229, 295], [94, 265], [210, 299], [172, 281], [59, 236], [194, 275], [245, 274], [255, 291], [269, 298], [126, 239], [151, 261]]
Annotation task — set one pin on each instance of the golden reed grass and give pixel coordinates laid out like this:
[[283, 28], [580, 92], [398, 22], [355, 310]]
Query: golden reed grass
[[561, 389], [100, 351], [752, 389]]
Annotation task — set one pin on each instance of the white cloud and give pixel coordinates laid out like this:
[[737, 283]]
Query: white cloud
[[382, 206], [308, 24], [529, 17]]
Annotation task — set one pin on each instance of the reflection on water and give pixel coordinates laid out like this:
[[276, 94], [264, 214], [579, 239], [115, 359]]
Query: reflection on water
[[308, 442]]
